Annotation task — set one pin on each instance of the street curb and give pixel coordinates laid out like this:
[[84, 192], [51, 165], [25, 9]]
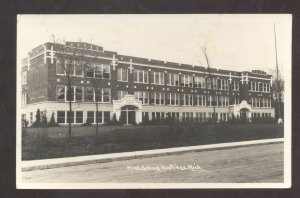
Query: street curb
[[103, 158]]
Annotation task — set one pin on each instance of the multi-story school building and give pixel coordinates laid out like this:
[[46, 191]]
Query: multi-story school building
[[134, 87]]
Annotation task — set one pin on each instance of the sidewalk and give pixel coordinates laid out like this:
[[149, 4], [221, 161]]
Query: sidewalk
[[81, 160]]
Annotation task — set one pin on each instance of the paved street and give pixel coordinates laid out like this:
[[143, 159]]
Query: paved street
[[260, 163]]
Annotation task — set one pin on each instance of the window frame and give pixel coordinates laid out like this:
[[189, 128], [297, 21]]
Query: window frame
[[120, 74]]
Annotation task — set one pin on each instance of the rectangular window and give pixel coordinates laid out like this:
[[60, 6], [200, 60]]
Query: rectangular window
[[79, 69], [168, 99], [142, 96], [214, 82], [199, 82], [78, 92], [209, 101], [98, 71], [24, 99], [186, 81], [157, 98], [187, 99], [60, 67], [177, 99], [235, 85], [89, 94], [252, 86], [90, 117], [122, 74], [146, 77], [157, 78], [102, 71], [31, 117], [71, 95], [140, 76], [173, 99], [106, 95], [61, 115], [222, 102], [152, 98], [106, 71], [173, 79], [162, 98], [79, 116], [24, 77], [224, 84], [60, 92], [90, 72], [102, 95], [122, 94]]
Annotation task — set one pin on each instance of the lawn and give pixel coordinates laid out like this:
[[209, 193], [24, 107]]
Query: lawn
[[43, 143]]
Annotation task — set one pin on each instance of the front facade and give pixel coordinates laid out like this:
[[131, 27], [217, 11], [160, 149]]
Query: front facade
[[133, 88]]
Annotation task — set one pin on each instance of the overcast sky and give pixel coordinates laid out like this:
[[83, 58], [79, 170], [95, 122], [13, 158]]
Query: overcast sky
[[234, 42]]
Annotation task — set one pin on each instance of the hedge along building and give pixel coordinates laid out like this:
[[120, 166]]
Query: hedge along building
[[132, 88]]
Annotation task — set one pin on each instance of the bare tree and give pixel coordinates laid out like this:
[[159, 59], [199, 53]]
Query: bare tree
[[210, 83], [68, 57], [91, 67], [278, 82]]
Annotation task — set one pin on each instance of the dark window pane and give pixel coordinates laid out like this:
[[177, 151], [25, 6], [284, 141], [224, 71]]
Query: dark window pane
[[60, 117], [90, 116], [79, 117]]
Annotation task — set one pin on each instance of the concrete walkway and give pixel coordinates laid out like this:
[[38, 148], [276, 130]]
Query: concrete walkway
[[81, 160]]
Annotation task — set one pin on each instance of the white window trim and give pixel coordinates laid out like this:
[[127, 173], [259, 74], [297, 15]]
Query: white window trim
[[122, 80], [159, 78], [172, 76], [101, 69], [138, 72], [102, 95], [143, 93]]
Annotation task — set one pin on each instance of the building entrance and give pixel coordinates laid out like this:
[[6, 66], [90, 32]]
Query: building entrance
[[244, 114], [128, 114]]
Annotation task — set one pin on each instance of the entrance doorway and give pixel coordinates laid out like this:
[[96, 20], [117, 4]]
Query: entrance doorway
[[244, 114], [128, 114]]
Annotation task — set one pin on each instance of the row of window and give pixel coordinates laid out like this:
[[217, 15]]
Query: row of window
[[257, 115], [76, 68], [102, 71], [77, 117], [103, 95], [186, 116], [76, 94], [261, 102], [258, 86]]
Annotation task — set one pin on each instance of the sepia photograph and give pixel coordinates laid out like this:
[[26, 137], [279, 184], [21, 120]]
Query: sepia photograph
[[151, 101]]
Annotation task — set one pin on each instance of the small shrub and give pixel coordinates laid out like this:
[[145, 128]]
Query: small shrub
[[44, 122], [37, 118], [52, 122], [114, 120]]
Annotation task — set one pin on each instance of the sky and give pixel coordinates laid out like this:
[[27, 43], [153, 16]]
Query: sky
[[233, 42]]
